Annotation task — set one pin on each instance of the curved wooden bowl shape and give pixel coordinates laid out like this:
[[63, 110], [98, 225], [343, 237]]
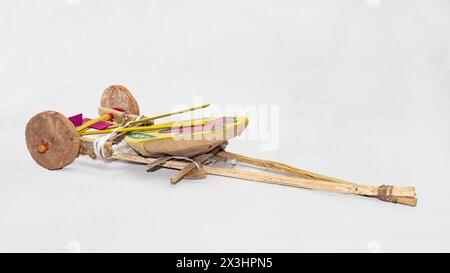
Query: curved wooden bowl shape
[[187, 141]]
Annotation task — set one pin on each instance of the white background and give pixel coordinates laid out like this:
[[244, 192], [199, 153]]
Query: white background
[[364, 94]]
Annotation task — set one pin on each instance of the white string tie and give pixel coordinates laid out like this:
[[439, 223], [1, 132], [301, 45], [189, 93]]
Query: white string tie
[[187, 159], [99, 143]]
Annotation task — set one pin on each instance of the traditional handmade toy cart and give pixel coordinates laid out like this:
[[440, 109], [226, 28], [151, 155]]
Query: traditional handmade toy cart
[[192, 147]]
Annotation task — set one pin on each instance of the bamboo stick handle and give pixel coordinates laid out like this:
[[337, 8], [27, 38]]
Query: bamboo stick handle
[[284, 168], [401, 195]]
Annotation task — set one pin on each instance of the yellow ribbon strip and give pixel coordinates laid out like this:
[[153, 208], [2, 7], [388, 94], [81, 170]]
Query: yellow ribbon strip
[[86, 125], [145, 128], [163, 115]]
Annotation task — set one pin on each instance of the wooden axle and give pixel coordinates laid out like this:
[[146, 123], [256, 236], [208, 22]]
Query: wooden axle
[[87, 148], [117, 116]]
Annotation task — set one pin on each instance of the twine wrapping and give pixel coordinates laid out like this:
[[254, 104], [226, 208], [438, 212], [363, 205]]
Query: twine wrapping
[[385, 193]]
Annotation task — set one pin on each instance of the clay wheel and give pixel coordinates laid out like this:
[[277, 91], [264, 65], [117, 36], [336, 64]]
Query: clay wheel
[[117, 96], [52, 140]]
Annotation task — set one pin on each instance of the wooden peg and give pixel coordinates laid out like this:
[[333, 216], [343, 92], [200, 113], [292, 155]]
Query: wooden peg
[[156, 165], [199, 160]]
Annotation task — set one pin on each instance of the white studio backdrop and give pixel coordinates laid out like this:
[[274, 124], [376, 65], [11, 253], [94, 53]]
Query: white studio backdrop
[[362, 88]]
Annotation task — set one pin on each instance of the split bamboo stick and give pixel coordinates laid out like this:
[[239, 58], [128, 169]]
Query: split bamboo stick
[[401, 195], [281, 167]]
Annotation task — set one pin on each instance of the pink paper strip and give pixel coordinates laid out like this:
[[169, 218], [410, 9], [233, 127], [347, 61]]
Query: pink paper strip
[[101, 125], [77, 120]]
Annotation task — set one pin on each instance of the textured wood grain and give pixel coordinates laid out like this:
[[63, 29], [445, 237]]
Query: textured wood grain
[[188, 145], [87, 148], [281, 167], [117, 96], [58, 133], [403, 195], [176, 147]]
